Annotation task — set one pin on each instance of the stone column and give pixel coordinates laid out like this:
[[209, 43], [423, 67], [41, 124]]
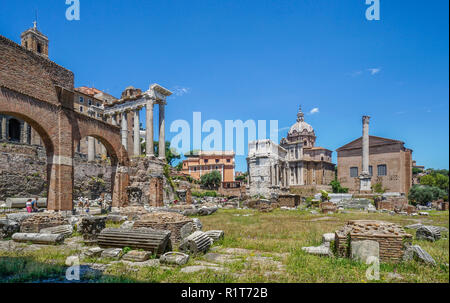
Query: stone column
[[124, 130], [136, 128], [365, 184], [162, 134], [365, 145], [3, 134], [25, 132], [149, 132], [91, 149], [114, 119]]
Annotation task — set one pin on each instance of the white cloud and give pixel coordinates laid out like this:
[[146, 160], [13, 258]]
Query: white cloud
[[374, 71], [180, 91], [315, 110], [283, 129], [356, 73]]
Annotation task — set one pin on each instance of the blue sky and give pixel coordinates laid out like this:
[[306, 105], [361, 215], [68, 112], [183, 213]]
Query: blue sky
[[261, 59]]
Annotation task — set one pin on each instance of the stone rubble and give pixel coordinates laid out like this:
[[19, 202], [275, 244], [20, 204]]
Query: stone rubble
[[174, 258], [415, 252], [8, 228], [429, 233], [136, 256]]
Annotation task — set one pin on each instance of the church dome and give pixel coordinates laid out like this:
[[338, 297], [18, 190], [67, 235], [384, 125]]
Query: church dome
[[300, 126]]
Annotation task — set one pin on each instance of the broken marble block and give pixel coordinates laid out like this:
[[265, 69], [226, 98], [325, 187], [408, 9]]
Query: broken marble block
[[196, 243], [112, 253], [417, 253], [174, 258], [430, 233], [136, 256], [127, 225], [8, 228], [363, 250], [93, 252], [327, 239], [65, 230], [36, 238], [216, 235], [321, 250], [197, 224]]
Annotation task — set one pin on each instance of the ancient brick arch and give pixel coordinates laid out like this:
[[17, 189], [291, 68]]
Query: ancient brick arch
[[40, 92], [84, 126]]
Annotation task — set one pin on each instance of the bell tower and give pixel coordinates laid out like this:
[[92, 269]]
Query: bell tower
[[35, 41]]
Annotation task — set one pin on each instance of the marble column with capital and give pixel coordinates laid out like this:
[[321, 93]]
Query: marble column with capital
[[124, 130], [136, 129], [162, 134], [149, 132]]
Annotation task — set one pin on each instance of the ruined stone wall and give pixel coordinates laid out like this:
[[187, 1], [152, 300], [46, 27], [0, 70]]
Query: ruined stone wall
[[23, 173]]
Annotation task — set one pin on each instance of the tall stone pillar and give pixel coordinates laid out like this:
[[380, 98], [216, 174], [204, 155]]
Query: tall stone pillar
[[149, 132], [3, 135], [365, 184], [162, 134], [24, 133], [114, 119], [91, 149], [124, 130], [136, 129]]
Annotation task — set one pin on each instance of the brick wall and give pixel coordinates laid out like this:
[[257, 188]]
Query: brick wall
[[31, 74]]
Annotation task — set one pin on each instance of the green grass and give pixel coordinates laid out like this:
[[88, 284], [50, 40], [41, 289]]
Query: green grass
[[279, 235]]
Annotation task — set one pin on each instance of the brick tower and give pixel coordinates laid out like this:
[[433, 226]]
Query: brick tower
[[35, 41]]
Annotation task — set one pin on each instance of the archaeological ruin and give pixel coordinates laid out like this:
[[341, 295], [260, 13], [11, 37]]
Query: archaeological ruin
[[296, 162]]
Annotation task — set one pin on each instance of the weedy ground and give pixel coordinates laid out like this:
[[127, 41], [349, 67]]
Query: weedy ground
[[277, 236]]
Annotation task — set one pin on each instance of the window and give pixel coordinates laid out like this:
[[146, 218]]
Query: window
[[228, 160], [305, 143], [370, 170], [98, 104], [353, 172], [217, 160], [195, 168], [81, 100], [89, 101], [382, 170], [39, 48], [206, 160], [81, 109]]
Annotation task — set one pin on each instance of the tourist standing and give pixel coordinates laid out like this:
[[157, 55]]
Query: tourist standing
[[28, 205], [86, 206]]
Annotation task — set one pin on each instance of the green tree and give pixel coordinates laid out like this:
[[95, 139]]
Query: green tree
[[422, 194], [337, 188], [179, 166], [436, 179], [416, 171], [211, 180]]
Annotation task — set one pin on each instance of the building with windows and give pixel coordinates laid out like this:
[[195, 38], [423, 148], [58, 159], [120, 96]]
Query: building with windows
[[296, 162], [205, 162], [390, 164]]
